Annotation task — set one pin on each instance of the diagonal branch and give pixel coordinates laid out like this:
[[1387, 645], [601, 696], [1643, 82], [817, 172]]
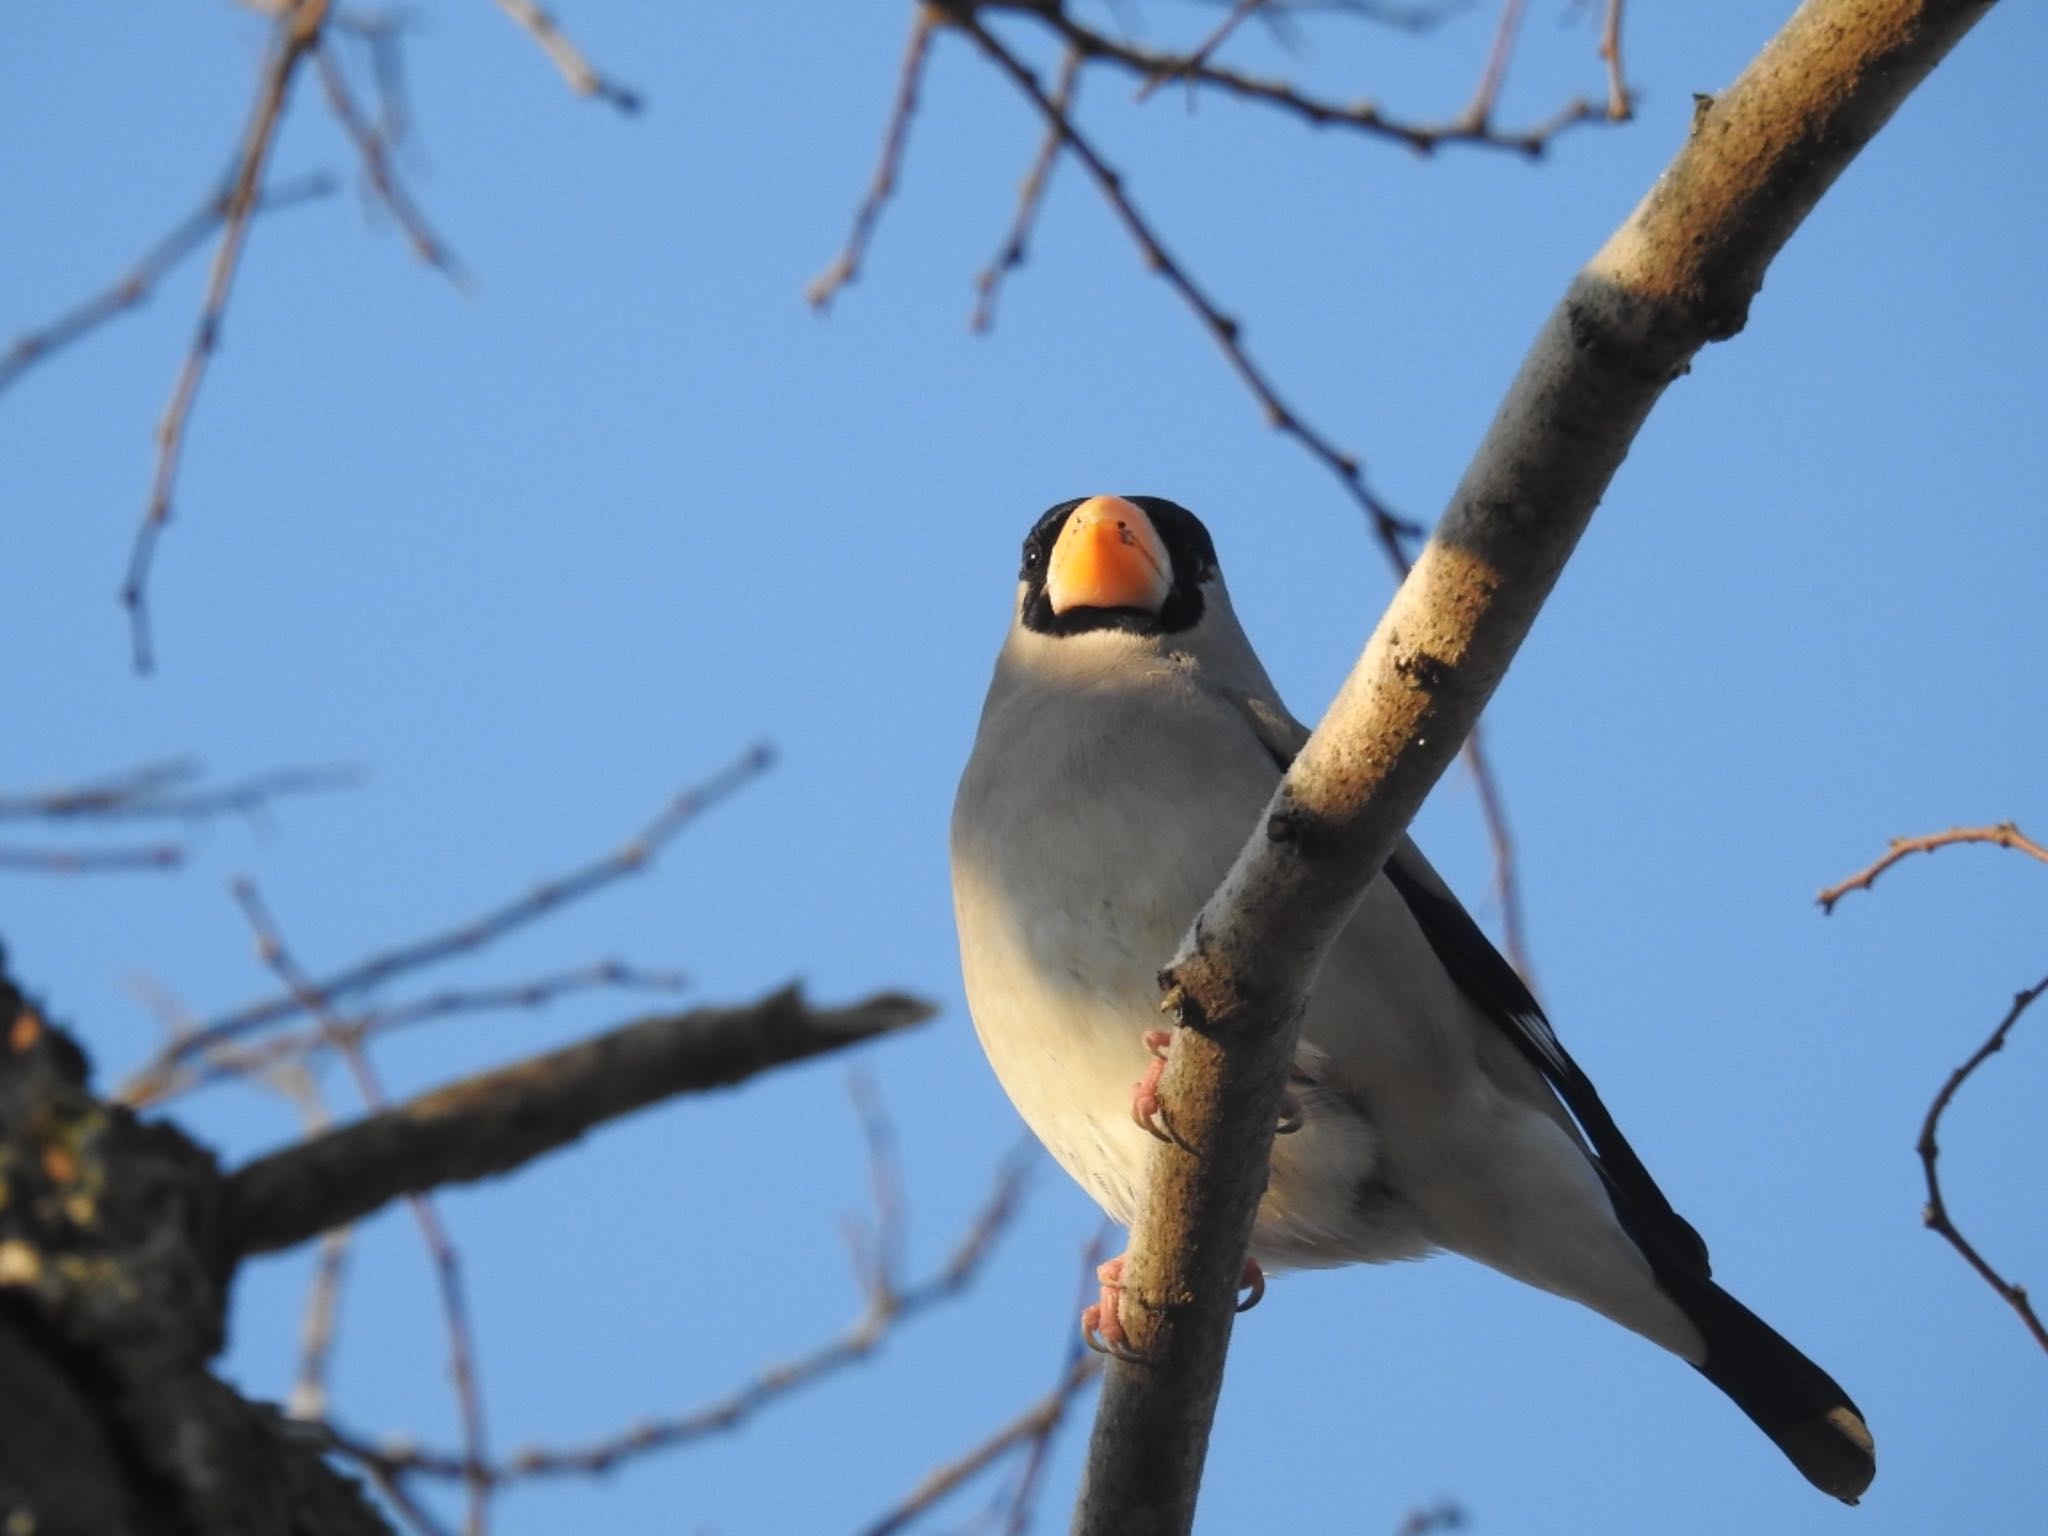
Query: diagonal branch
[[629, 858], [1680, 272], [139, 281], [1937, 1216], [1390, 529], [584, 78], [496, 1121], [822, 289], [298, 34]]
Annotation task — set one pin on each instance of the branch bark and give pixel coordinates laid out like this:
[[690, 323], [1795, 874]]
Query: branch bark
[[497, 1121], [1679, 273]]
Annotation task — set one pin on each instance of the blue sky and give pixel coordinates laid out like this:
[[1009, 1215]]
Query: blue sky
[[536, 557]]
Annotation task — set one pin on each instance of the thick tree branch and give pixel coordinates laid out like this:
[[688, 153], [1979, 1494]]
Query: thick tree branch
[[496, 1121], [1681, 272]]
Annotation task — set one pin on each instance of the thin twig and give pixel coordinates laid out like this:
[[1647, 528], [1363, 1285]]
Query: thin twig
[[1478, 113], [879, 1315], [1031, 1428], [845, 266], [1361, 116], [140, 281], [1202, 50], [308, 1396], [1507, 877], [2004, 835], [160, 792], [228, 1063], [382, 175], [91, 861], [879, 1247], [1936, 1215], [1030, 198], [298, 33], [584, 78], [1620, 108], [462, 1369], [630, 858]]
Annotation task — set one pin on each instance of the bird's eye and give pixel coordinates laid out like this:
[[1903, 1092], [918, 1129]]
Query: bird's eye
[[1031, 556]]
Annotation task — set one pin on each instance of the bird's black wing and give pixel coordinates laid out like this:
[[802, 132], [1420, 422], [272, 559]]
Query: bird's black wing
[[1487, 978], [1484, 975]]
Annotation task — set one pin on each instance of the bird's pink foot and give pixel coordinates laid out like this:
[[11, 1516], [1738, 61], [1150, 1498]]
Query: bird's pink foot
[[1101, 1327], [1145, 1106]]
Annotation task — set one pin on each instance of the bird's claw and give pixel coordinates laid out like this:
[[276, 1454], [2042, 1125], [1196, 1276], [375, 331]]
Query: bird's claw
[[1253, 1280], [1102, 1325], [1102, 1328], [1146, 1109]]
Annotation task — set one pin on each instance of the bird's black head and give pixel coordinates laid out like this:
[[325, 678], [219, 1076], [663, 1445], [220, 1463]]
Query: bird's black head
[[1134, 563]]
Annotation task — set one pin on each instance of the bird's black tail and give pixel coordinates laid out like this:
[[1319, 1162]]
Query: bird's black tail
[[1789, 1398]]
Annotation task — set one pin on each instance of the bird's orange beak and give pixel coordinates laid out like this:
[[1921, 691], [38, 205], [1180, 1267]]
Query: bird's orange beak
[[1108, 556]]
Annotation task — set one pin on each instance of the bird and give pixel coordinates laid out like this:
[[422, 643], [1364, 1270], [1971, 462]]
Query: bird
[[1129, 741]]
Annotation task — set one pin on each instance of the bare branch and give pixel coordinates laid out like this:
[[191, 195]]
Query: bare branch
[[1937, 1216], [881, 1313], [846, 265], [1031, 1427], [584, 78], [229, 1063], [375, 150], [297, 34], [1362, 116], [1478, 112], [166, 791], [1034, 1430], [2004, 835], [153, 792], [1199, 56], [1679, 273], [1389, 528], [1619, 106], [628, 859], [447, 1263], [498, 1120], [139, 281], [1030, 198], [91, 861]]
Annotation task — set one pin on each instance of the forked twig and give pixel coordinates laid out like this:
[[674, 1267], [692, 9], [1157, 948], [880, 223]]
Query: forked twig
[[1936, 1215], [135, 285], [2004, 834], [880, 1313], [1199, 55], [630, 858], [375, 151], [462, 1370], [1391, 530]]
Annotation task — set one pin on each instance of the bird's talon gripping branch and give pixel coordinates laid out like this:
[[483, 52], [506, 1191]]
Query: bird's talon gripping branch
[[1102, 1328], [1145, 1105], [1253, 1280]]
